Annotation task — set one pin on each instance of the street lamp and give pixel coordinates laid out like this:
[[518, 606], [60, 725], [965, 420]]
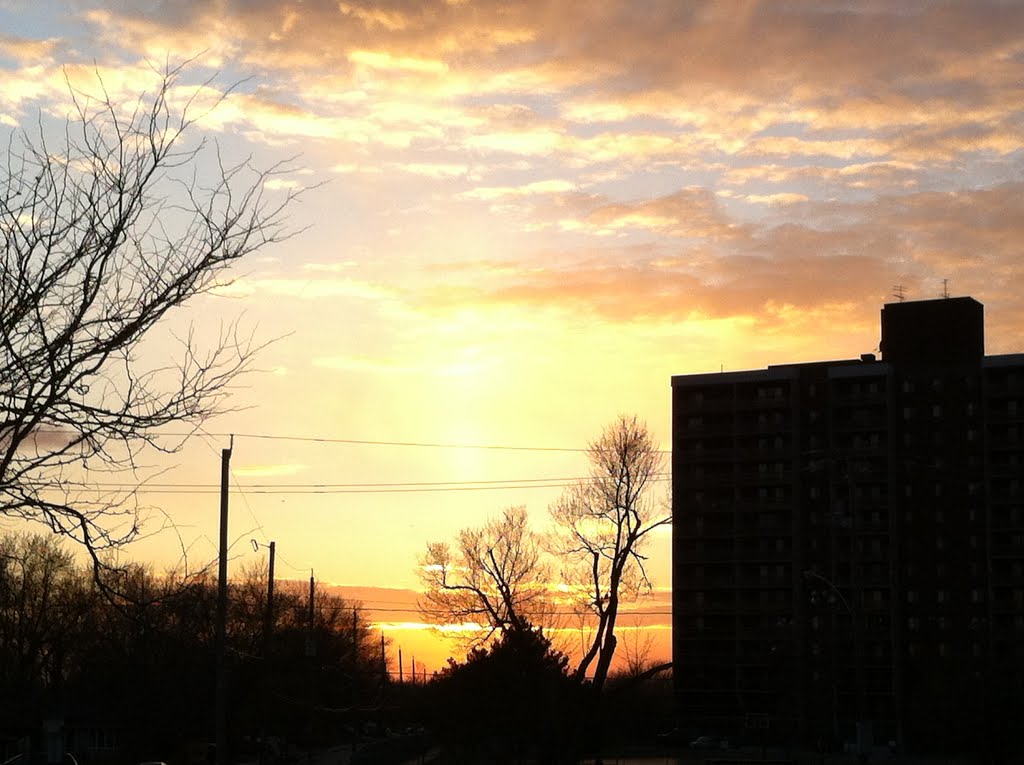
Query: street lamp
[[810, 574]]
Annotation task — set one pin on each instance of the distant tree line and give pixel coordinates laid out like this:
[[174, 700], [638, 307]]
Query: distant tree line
[[144, 663]]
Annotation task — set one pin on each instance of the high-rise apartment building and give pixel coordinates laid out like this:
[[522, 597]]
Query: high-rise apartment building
[[848, 541]]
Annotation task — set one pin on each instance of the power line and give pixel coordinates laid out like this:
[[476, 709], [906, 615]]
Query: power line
[[356, 488], [369, 442], [373, 484]]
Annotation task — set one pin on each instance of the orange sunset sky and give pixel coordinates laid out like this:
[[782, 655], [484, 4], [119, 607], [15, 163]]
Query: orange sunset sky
[[521, 218]]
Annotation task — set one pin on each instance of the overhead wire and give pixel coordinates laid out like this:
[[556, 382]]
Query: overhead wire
[[361, 488], [372, 442]]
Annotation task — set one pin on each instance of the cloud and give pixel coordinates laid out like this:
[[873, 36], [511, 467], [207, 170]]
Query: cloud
[[551, 186], [840, 256], [723, 159], [26, 51], [912, 83]]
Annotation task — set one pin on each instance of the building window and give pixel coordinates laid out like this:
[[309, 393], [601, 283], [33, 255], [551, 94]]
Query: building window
[[940, 596], [911, 596], [936, 410], [913, 623]]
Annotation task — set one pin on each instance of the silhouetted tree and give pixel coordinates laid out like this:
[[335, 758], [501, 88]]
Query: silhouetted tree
[[146, 658], [106, 232], [495, 577], [511, 700], [44, 604], [602, 523]]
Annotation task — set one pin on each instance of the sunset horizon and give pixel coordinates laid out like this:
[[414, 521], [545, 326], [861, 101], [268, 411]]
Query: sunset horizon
[[479, 233]]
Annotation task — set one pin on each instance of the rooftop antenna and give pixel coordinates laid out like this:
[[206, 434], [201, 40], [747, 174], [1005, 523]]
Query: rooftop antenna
[[899, 292], [945, 288]]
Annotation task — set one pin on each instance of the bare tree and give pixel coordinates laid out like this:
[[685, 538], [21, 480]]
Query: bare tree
[[601, 525], [495, 577], [104, 236], [636, 648]]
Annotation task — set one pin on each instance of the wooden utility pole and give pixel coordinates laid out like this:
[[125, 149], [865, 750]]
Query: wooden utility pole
[[310, 623], [268, 620], [222, 610]]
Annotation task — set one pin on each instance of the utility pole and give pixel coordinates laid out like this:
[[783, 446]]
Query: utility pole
[[400, 678], [222, 610], [268, 624], [310, 647], [268, 616]]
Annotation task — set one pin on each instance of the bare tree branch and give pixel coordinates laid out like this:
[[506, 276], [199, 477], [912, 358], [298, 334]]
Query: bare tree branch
[[104, 237], [496, 578], [601, 525]]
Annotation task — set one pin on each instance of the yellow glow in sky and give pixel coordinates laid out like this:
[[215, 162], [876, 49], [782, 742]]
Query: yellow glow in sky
[[521, 219]]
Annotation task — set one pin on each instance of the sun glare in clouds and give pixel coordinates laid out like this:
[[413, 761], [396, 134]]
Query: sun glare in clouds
[[521, 219]]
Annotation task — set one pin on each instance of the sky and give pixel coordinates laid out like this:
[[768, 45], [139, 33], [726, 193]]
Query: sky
[[519, 220]]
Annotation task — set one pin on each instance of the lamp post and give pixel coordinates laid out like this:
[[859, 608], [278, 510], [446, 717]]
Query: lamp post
[[854, 615]]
